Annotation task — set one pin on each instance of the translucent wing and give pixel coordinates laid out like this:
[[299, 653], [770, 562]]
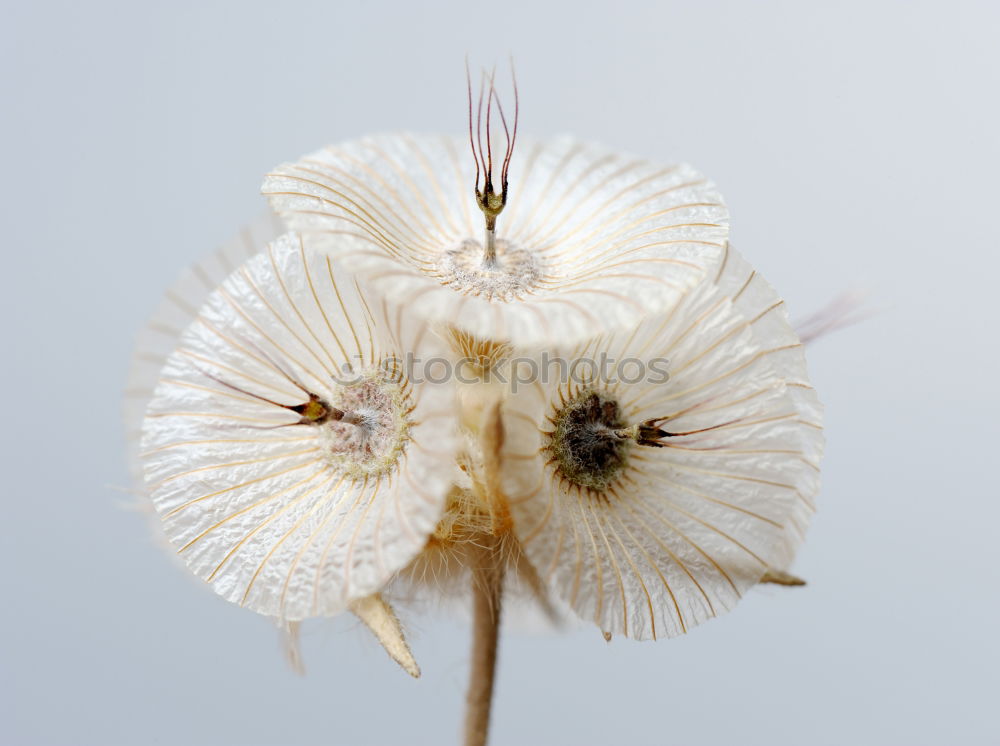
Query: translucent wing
[[685, 528], [179, 306], [283, 507], [615, 237]]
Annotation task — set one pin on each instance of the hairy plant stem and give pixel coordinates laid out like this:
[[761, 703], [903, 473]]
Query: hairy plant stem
[[490, 246], [487, 591]]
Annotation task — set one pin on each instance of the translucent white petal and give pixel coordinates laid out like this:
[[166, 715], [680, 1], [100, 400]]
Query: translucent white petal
[[180, 304], [254, 502], [690, 526], [615, 237]]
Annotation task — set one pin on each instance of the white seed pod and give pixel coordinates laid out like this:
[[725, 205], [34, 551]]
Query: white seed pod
[[651, 506], [294, 466], [590, 239]]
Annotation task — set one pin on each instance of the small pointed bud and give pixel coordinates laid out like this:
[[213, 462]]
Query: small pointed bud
[[779, 577], [380, 618]]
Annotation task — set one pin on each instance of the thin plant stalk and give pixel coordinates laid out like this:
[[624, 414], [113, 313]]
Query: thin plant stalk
[[487, 592]]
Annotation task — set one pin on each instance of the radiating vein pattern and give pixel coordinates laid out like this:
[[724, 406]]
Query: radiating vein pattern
[[684, 528], [596, 239], [280, 443], [179, 306]]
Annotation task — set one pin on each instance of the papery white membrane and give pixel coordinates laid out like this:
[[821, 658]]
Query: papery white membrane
[[690, 526], [616, 237], [251, 500], [178, 308]]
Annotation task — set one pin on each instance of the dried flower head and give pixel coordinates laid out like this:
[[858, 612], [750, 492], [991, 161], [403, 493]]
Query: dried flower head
[[295, 467], [301, 468], [551, 240], [651, 505]]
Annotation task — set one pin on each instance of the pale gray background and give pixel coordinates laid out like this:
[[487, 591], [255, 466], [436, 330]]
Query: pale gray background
[[857, 145]]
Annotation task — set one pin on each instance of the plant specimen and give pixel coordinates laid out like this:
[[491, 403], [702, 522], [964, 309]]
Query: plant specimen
[[304, 459]]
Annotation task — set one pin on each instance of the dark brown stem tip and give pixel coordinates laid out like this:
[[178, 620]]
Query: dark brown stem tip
[[316, 412], [313, 411], [650, 435]]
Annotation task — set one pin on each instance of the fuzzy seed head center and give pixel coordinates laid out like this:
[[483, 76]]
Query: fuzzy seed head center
[[370, 438], [585, 444], [512, 274]]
